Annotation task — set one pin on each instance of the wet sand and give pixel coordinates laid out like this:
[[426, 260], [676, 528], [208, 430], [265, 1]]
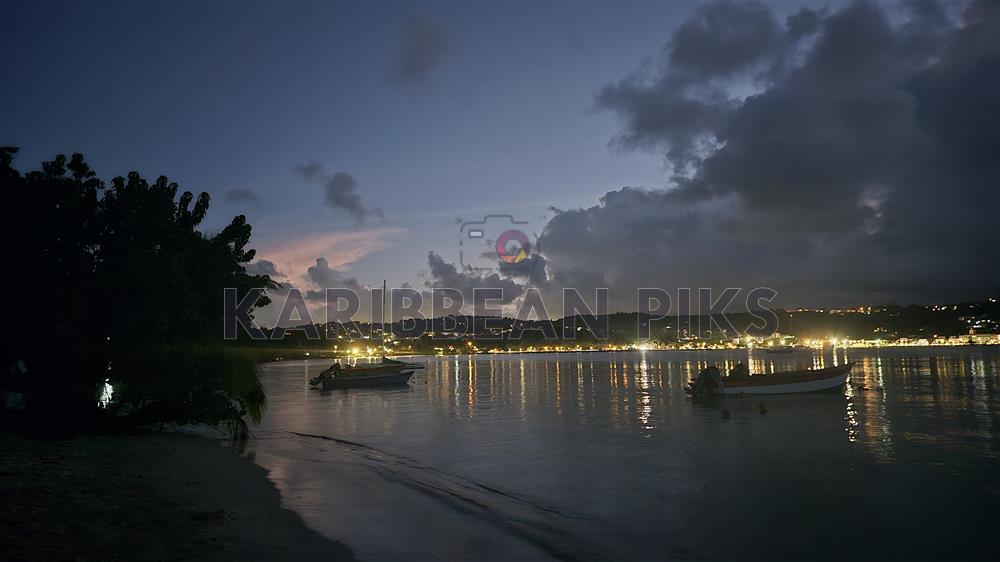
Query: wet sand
[[149, 496]]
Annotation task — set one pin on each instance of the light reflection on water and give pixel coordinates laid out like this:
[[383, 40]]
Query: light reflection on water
[[909, 447]]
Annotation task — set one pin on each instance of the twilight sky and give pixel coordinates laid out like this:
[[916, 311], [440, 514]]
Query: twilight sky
[[840, 153]]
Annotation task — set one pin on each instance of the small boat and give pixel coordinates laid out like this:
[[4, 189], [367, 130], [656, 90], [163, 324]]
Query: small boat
[[387, 372], [361, 379], [711, 381]]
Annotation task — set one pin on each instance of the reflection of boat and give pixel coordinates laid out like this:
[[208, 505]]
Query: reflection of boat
[[711, 381]]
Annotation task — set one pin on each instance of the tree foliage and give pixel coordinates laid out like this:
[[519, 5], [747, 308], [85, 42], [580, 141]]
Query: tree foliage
[[116, 282]]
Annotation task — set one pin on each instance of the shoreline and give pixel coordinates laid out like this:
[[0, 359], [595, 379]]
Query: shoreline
[[145, 496], [278, 355]]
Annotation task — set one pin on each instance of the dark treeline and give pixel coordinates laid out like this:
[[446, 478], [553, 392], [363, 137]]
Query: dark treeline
[[619, 327], [116, 283], [425, 335]]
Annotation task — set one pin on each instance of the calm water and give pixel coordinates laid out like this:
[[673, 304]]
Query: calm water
[[601, 456]]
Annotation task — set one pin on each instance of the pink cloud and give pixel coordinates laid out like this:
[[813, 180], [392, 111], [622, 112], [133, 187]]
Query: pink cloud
[[341, 249]]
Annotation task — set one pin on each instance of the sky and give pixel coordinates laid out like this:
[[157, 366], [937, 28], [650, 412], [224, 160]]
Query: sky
[[839, 153]]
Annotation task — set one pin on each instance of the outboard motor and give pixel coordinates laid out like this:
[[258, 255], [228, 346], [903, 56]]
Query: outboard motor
[[325, 375], [708, 381]]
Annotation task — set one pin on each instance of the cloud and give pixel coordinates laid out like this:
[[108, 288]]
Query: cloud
[[314, 262], [264, 267], [838, 157], [325, 277], [341, 248], [340, 191], [444, 274], [319, 275], [311, 170], [724, 38], [240, 195], [422, 47]]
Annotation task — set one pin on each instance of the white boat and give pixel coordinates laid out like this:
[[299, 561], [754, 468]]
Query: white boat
[[710, 381], [388, 372]]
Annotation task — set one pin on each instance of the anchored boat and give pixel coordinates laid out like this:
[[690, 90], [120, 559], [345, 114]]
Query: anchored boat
[[366, 376], [711, 381], [386, 373]]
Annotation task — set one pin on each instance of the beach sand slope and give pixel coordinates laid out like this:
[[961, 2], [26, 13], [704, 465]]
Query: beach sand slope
[[149, 496]]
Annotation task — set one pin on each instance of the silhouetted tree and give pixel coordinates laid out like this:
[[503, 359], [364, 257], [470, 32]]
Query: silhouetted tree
[[117, 283]]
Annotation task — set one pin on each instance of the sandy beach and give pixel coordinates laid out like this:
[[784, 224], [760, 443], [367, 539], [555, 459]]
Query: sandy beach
[[148, 496]]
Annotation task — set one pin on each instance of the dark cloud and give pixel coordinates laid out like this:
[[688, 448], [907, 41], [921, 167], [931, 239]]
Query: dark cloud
[[682, 103], [264, 267], [242, 196], [660, 114], [325, 277], [532, 271], [724, 38], [444, 274], [340, 191], [802, 23], [841, 157], [311, 170], [422, 46]]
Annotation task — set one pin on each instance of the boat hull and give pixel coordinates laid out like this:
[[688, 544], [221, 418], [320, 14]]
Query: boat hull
[[373, 369], [367, 380], [813, 380]]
